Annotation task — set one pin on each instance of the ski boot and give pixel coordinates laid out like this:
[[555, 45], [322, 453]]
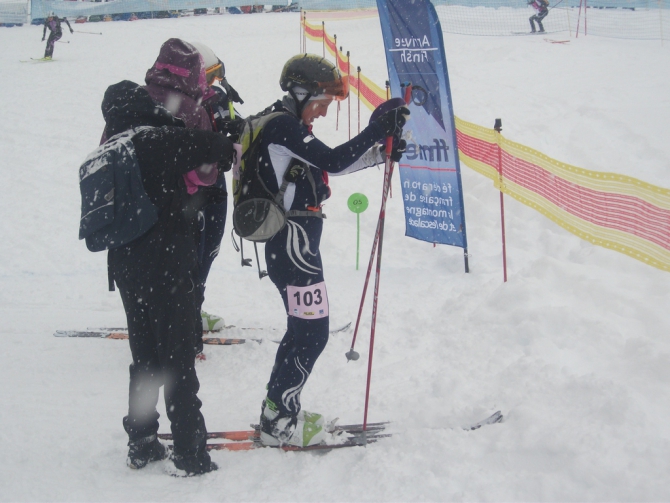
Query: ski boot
[[211, 322], [277, 430]]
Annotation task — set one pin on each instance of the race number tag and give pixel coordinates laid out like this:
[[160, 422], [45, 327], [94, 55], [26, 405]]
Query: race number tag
[[308, 302]]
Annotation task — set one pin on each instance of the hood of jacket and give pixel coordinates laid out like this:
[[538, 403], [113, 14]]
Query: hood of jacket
[[179, 66], [126, 105]]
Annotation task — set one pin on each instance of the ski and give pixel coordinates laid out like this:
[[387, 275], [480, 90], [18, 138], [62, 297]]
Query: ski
[[101, 334], [227, 327], [351, 435], [251, 434], [36, 60], [494, 418]]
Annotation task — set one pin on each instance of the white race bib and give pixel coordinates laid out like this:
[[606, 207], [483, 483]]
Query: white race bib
[[308, 302]]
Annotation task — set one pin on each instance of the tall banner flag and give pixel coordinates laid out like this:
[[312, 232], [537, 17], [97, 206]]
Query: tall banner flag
[[429, 170]]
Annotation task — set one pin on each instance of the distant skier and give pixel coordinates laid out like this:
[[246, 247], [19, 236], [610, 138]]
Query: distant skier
[[53, 23], [542, 8]]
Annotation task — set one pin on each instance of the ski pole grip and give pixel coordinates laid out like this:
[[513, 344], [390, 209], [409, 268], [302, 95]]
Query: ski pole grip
[[389, 146], [408, 93]]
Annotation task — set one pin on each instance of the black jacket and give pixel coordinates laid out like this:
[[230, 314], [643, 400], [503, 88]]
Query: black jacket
[[167, 253]]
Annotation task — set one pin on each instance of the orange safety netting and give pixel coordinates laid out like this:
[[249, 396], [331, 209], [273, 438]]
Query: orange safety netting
[[607, 209]]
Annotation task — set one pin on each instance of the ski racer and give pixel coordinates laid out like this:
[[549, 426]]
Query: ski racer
[[178, 81], [289, 151], [56, 32], [156, 274], [542, 8]]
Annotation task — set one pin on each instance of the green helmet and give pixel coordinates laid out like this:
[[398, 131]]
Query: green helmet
[[315, 74]]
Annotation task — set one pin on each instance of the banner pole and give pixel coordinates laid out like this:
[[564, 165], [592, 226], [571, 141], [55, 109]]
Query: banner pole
[[498, 128], [349, 96], [358, 93], [323, 37]]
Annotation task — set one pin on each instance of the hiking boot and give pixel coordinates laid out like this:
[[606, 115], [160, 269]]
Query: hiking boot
[[145, 450], [189, 466], [211, 322], [277, 430]]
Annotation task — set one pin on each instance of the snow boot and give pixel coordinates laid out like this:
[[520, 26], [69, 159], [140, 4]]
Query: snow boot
[[189, 466], [277, 430], [211, 322], [141, 452]]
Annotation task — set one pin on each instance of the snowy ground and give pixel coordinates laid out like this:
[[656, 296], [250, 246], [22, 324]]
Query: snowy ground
[[574, 349]]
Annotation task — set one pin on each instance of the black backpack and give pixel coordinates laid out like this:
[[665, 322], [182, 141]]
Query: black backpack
[[115, 208]]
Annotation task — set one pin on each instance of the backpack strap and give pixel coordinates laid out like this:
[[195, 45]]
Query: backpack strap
[[292, 173]]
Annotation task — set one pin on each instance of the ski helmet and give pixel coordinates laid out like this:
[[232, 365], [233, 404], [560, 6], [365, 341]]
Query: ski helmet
[[315, 74], [214, 69]]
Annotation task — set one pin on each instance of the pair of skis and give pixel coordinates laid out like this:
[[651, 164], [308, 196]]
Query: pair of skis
[[122, 334], [350, 435]]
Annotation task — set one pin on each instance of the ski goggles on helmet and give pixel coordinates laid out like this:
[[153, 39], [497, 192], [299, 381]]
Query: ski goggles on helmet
[[215, 72], [337, 89]]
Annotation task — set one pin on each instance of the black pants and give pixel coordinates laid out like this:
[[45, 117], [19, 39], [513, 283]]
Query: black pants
[[54, 36], [538, 17], [161, 326]]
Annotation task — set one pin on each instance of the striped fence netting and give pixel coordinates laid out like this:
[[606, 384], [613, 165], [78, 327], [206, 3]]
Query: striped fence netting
[[633, 19], [607, 209], [370, 94], [614, 211]]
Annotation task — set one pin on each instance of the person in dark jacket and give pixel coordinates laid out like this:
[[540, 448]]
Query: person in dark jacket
[[542, 8], [157, 276], [218, 102], [289, 152], [56, 32], [178, 81]]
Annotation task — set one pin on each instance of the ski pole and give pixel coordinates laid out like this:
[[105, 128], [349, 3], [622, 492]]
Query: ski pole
[[351, 354], [88, 32], [382, 216]]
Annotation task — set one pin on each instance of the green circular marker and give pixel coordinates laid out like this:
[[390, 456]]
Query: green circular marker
[[357, 202]]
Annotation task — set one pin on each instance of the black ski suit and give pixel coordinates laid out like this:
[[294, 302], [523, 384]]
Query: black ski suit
[[53, 23], [292, 256], [156, 274]]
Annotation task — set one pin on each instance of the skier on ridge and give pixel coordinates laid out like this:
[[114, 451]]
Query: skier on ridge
[[53, 23]]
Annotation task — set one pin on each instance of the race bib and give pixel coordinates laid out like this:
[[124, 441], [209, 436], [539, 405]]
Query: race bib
[[308, 302]]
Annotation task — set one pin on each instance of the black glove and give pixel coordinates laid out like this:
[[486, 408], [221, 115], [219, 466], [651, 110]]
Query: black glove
[[231, 127], [232, 93], [393, 120], [397, 150], [221, 151]]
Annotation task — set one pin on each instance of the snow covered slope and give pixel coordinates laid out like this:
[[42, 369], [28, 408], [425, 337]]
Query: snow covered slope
[[574, 349]]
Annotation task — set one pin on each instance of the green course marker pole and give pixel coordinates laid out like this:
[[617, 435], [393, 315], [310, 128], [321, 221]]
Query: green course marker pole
[[357, 203]]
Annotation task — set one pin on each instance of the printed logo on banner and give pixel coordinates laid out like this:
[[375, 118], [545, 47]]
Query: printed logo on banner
[[429, 169]]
